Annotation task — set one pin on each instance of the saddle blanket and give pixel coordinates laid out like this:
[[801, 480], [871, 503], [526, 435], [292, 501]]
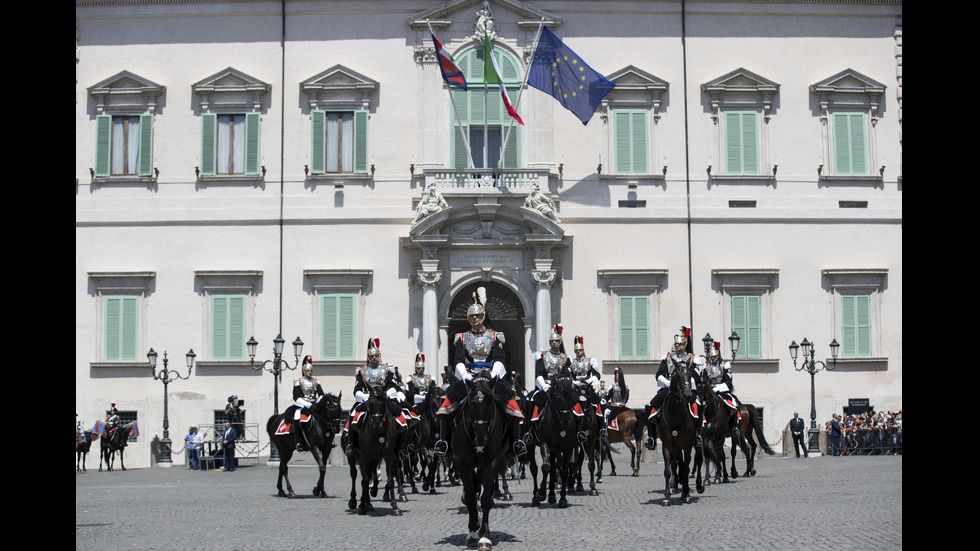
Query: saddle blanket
[[356, 418], [613, 424], [577, 410], [284, 425]]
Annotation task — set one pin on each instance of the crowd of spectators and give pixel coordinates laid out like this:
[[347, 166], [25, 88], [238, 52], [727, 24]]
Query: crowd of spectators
[[868, 433]]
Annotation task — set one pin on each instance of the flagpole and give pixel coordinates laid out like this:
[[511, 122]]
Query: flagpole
[[485, 131], [449, 89], [527, 74]]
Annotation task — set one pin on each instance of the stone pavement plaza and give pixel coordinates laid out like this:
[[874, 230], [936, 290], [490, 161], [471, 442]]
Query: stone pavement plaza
[[852, 502]]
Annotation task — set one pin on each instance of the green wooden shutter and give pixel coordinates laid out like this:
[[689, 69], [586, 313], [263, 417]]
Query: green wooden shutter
[[318, 153], [512, 153], [228, 327], [855, 325], [747, 322], [121, 328], [103, 145], [337, 326], [630, 142], [850, 144], [634, 327], [209, 144], [146, 145], [252, 158], [360, 142], [742, 142], [457, 146]]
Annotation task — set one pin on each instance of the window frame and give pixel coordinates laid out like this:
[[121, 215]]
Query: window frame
[[849, 134], [352, 283], [868, 283], [621, 284], [741, 91], [748, 282], [739, 150], [320, 141], [848, 93], [108, 287], [211, 143], [637, 145], [124, 95], [209, 284]]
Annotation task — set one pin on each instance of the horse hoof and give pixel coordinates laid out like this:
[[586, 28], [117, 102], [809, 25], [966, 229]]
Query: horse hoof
[[535, 502], [580, 488], [472, 539], [636, 472], [352, 504], [404, 498], [316, 492], [665, 503], [612, 473], [281, 494], [594, 492], [361, 511], [563, 503], [416, 490], [700, 489], [396, 512], [552, 500], [598, 480], [752, 472], [508, 497]]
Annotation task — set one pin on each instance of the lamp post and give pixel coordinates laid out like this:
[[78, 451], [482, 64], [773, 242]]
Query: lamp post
[[733, 341], [812, 366], [167, 376], [276, 366]]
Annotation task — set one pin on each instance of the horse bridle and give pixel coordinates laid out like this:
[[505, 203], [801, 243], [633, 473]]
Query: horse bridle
[[490, 423]]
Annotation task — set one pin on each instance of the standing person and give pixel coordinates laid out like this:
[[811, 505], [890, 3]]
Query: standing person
[[835, 433], [198, 442], [228, 441], [796, 427], [233, 413], [193, 460]]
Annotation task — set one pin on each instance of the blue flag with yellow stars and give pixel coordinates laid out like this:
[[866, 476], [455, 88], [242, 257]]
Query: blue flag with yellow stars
[[557, 70]]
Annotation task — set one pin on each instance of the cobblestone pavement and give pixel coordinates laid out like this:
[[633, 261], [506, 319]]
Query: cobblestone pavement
[[815, 503]]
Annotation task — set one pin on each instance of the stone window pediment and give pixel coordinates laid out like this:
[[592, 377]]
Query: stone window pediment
[[849, 88], [849, 108], [339, 88], [231, 90], [636, 88], [741, 104], [740, 88], [126, 93]]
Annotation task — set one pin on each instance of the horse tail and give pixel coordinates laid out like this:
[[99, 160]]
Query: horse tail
[[755, 424]]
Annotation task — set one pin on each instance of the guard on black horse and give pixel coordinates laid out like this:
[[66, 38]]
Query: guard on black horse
[[717, 375], [373, 374], [680, 356], [585, 372], [306, 391], [477, 350], [547, 364]]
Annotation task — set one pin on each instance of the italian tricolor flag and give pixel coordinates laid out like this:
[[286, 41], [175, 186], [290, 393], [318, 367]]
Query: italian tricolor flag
[[491, 75]]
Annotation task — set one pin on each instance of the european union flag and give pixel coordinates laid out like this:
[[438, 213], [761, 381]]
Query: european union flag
[[557, 70]]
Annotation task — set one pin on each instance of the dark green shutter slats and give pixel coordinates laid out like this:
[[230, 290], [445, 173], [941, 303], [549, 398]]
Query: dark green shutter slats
[[103, 145], [318, 154], [855, 325], [146, 145], [850, 144], [228, 327], [209, 144], [252, 137], [634, 327], [360, 142], [630, 152], [747, 322], [742, 142], [121, 328], [337, 326]]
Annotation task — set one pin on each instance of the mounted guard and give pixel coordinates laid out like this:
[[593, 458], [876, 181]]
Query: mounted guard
[[477, 350], [586, 377], [306, 391], [717, 375], [680, 355], [370, 375]]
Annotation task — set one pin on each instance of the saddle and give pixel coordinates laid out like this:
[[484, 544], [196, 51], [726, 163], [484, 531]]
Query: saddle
[[285, 424]]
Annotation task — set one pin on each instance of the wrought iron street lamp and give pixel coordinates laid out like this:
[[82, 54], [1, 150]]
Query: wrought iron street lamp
[[167, 376], [275, 366], [709, 343], [812, 366]]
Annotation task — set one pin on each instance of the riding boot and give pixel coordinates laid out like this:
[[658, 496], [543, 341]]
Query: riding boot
[[351, 443], [296, 434], [400, 446], [441, 448], [520, 448]]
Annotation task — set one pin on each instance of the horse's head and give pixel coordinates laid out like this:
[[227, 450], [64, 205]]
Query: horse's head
[[434, 399], [680, 381], [481, 409], [328, 409], [563, 397], [377, 407]]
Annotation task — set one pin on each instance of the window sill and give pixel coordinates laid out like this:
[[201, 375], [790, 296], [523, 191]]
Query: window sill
[[874, 181], [755, 365], [225, 363], [863, 364], [127, 365], [763, 179], [634, 178], [232, 179], [103, 180], [340, 177], [632, 364]]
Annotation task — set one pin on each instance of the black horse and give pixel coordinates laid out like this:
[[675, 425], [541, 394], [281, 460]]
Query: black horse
[[82, 447], [427, 439], [377, 439], [717, 426], [319, 432], [116, 440], [555, 433], [588, 449], [480, 452], [677, 430]]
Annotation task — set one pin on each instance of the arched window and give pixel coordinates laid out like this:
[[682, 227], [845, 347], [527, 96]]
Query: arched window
[[470, 105]]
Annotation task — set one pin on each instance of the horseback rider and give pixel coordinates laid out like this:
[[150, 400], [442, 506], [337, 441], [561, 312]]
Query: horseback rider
[[585, 373], [679, 356], [306, 391], [547, 364], [111, 419], [477, 350], [717, 375], [615, 400], [368, 376], [420, 383]]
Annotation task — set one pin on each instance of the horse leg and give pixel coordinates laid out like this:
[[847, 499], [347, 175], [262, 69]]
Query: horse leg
[[488, 476], [668, 472], [684, 471], [322, 464], [566, 470], [552, 472], [367, 473], [698, 462], [734, 470], [122, 464], [352, 504], [393, 468], [634, 456], [284, 457]]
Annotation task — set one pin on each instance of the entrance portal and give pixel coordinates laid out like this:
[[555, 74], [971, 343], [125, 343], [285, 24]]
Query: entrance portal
[[504, 314]]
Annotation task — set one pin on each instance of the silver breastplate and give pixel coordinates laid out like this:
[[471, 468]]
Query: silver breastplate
[[421, 382], [374, 376], [617, 395], [715, 373], [478, 346], [580, 368], [684, 359], [308, 388], [553, 362]]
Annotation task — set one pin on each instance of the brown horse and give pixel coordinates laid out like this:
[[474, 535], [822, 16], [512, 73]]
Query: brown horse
[[630, 433], [750, 424]]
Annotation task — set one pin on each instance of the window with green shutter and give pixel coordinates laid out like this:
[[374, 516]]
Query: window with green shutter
[[337, 326], [230, 144], [228, 327], [121, 327], [470, 108], [850, 144], [855, 326], [124, 145], [631, 148], [747, 322], [339, 142], [634, 327], [741, 142]]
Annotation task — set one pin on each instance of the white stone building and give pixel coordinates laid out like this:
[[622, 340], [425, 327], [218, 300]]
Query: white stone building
[[250, 168]]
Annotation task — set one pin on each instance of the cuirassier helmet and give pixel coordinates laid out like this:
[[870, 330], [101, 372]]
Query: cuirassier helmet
[[476, 309], [555, 333], [308, 366], [715, 353], [683, 338], [419, 363], [374, 346], [579, 343]]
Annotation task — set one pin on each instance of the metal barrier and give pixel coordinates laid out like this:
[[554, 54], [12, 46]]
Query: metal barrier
[[247, 446]]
